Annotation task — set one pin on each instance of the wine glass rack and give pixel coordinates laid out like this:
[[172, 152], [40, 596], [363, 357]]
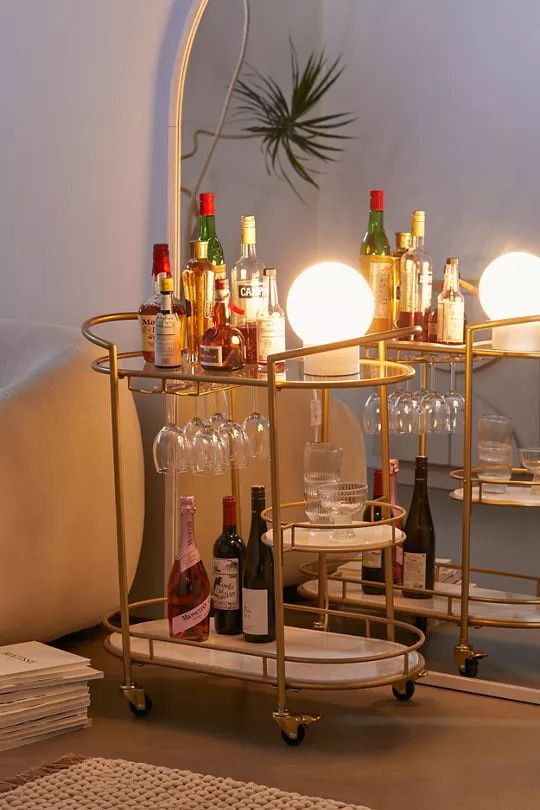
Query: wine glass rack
[[300, 658]]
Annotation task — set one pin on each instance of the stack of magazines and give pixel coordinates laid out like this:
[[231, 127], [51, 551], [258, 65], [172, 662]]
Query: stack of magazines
[[43, 692]]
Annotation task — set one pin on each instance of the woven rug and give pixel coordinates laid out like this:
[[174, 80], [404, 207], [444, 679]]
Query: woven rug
[[74, 783]]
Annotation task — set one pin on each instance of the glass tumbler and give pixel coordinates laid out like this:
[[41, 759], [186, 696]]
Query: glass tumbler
[[495, 451], [322, 465]]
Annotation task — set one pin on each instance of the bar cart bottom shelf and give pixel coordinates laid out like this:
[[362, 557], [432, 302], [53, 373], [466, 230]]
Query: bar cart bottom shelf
[[326, 664]]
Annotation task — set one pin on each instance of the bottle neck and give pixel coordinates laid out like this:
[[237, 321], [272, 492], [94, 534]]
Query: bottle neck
[[247, 250], [376, 221], [420, 478], [207, 227], [222, 313], [451, 278], [187, 532], [377, 484], [257, 506], [229, 516], [271, 291], [417, 242], [166, 302]]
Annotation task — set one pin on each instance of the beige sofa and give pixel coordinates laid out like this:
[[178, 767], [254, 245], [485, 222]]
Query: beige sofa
[[58, 535]]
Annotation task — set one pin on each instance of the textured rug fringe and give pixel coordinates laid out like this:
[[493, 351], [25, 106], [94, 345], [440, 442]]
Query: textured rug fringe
[[42, 770]]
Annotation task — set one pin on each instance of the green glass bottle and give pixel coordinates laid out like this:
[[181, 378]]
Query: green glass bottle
[[376, 264], [207, 233]]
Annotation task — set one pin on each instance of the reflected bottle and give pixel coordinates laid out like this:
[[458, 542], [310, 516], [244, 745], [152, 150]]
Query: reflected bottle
[[247, 288], [258, 609], [198, 281], [228, 569], [188, 590], [419, 546]]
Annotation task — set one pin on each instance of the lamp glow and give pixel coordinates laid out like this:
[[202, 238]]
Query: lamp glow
[[329, 302], [510, 288]]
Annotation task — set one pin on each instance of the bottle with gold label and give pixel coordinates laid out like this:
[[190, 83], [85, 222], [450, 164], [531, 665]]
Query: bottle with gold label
[[403, 243], [416, 280], [198, 281], [376, 264], [207, 233]]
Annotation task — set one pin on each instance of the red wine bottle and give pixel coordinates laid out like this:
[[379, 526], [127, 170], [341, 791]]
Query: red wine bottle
[[419, 546], [258, 610], [398, 550], [188, 591], [228, 568]]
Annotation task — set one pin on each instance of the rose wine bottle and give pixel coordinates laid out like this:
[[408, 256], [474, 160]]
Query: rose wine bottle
[[150, 308], [376, 264], [228, 569], [222, 346], [188, 591], [416, 280], [270, 321], [247, 288], [207, 233], [198, 281], [258, 610], [419, 546]]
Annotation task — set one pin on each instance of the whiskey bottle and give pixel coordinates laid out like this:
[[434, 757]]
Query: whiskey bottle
[[376, 264], [247, 288], [222, 346], [270, 321], [451, 306], [207, 233], [198, 281], [150, 308], [168, 329]]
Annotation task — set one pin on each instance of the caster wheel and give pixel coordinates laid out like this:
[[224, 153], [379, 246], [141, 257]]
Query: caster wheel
[[144, 711], [470, 668], [405, 694], [421, 623], [297, 739]]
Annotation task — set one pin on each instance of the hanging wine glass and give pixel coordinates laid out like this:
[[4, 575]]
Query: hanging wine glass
[[406, 413], [171, 450], [207, 450], [434, 408], [194, 424], [371, 419], [257, 430], [234, 439], [456, 403]]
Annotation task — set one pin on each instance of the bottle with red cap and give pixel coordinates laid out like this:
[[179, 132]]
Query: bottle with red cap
[[376, 264], [228, 569], [207, 233], [149, 309]]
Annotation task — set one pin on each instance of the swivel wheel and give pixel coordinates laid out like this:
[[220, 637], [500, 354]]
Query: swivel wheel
[[297, 738], [469, 668], [405, 692], [141, 711]]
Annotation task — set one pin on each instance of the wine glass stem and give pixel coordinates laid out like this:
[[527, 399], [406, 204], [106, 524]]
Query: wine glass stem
[[432, 376], [452, 378], [254, 399]]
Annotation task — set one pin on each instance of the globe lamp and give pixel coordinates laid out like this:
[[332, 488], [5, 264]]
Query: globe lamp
[[510, 288], [329, 302]]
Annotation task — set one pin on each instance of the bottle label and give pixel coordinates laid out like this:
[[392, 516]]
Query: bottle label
[[450, 320], [188, 553], [255, 612], [248, 295], [270, 337], [191, 618], [372, 559], [147, 324], [208, 309], [407, 287], [211, 356], [226, 588], [167, 340], [414, 570], [380, 276]]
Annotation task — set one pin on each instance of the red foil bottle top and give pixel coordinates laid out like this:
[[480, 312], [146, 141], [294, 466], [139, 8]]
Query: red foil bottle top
[[377, 484], [229, 510], [161, 262], [206, 201], [376, 199]]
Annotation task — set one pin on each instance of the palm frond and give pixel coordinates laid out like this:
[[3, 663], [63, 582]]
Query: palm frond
[[291, 132]]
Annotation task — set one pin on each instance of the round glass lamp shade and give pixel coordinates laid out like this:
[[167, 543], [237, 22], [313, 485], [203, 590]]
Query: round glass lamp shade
[[327, 303], [510, 288]]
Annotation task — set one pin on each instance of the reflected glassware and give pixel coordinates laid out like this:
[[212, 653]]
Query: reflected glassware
[[322, 465], [530, 459], [257, 430], [405, 418], [434, 410], [171, 450], [456, 403], [235, 444], [208, 455], [343, 500], [371, 419], [194, 424], [494, 450]]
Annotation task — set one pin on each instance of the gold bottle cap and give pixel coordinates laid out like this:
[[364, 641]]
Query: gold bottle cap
[[270, 272], [165, 283], [452, 260], [403, 240], [199, 249], [248, 229], [418, 223]]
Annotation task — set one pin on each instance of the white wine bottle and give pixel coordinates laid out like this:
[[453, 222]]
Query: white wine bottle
[[258, 611], [419, 546]]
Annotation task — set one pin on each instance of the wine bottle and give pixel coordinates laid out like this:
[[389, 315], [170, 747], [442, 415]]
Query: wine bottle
[[207, 233], [188, 591], [398, 550], [247, 288], [198, 281], [403, 243], [149, 309], [258, 610], [228, 567], [372, 561], [270, 321], [416, 280], [168, 329], [222, 346], [376, 264], [419, 546], [451, 306]]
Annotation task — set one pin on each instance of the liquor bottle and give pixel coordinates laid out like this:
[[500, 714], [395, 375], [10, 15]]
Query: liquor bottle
[[372, 561], [270, 321], [150, 308], [376, 264], [416, 279], [258, 610], [168, 329], [403, 243], [207, 233], [198, 281], [188, 591], [228, 568], [222, 346], [247, 288], [451, 306], [419, 546]]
